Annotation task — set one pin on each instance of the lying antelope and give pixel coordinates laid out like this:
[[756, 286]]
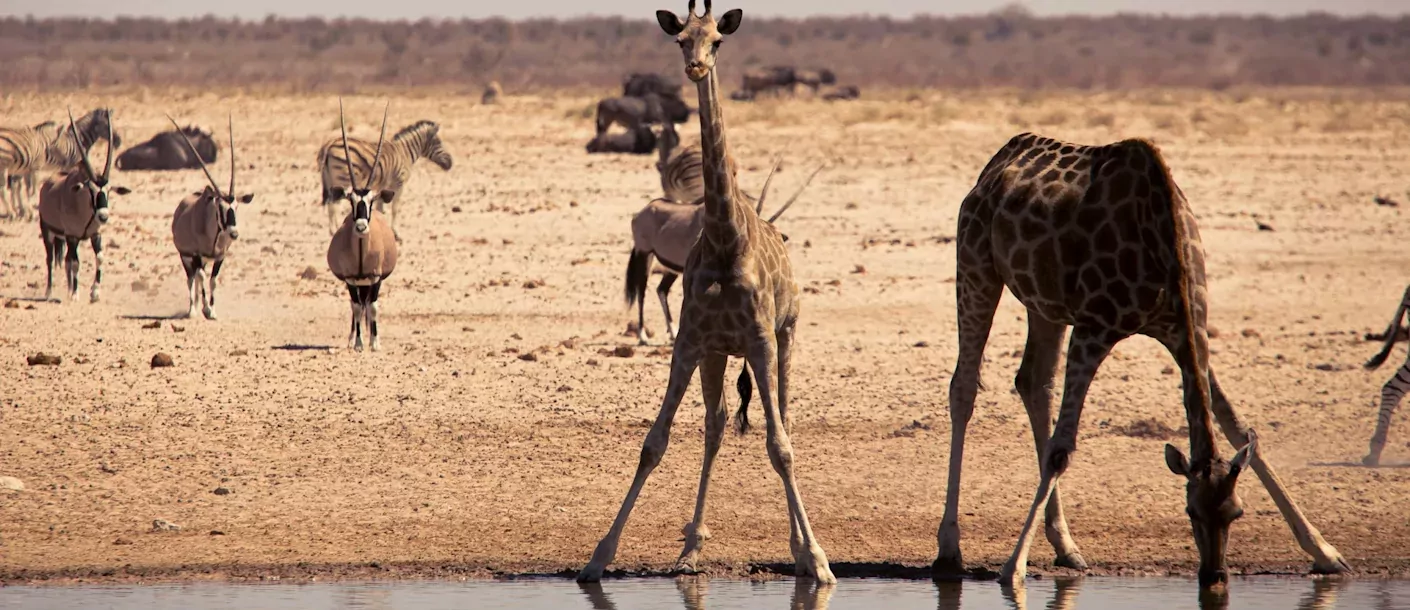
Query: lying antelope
[[363, 251], [203, 227], [666, 230], [73, 205]]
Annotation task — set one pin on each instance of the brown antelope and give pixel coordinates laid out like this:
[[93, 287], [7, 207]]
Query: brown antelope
[[203, 227], [73, 205], [363, 251]]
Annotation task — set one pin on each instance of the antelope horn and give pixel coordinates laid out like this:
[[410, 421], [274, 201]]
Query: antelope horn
[[347, 155], [77, 137], [197, 155], [372, 173], [230, 122], [764, 194], [797, 194], [108, 163]]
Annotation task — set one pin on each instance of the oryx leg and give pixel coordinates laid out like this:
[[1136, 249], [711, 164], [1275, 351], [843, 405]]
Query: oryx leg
[[71, 267], [97, 242], [190, 264], [53, 251], [663, 292], [369, 308], [355, 333], [209, 310]]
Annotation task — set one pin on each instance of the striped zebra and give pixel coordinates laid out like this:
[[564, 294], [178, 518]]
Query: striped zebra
[[682, 179], [1394, 390], [413, 142], [60, 152], [22, 154]]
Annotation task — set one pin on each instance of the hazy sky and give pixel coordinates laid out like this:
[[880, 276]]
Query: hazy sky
[[413, 9]]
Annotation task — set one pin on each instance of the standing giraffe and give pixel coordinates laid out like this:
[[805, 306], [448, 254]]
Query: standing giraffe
[[740, 300], [1101, 239]]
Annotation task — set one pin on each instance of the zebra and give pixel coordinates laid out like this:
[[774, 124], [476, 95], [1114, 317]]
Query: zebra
[[203, 226], [413, 142], [59, 153], [1394, 389], [73, 206], [363, 251], [682, 178], [22, 154]]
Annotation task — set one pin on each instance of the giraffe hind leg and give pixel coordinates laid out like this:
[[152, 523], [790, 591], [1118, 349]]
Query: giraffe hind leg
[[1034, 386], [1325, 557], [712, 384]]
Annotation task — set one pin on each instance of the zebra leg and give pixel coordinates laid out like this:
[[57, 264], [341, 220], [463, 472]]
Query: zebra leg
[[53, 251], [369, 307], [209, 309], [71, 267], [97, 241], [663, 291], [5, 194], [355, 333], [1391, 394]]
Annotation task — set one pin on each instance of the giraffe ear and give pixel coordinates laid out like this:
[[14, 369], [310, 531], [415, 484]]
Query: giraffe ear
[[670, 23], [730, 22], [1175, 461]]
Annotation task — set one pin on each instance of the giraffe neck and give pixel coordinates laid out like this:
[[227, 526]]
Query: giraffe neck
[[724, 219]]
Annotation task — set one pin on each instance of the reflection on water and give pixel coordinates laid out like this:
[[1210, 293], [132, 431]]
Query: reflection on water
[[1095, 593]]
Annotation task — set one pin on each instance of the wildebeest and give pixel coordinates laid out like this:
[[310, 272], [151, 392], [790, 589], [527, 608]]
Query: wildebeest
[[639, 141], [640, 84], [771, 79], [813, 79], [842, 92], [73, 206], [204, 226], [492, 93], [363, 251], [165, 151], [633, 112]]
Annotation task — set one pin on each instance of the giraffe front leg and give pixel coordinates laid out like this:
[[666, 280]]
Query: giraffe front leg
[[684, 360], [1085, 353], [1325, 557], [763, 359], [785, 360], [712, 383]]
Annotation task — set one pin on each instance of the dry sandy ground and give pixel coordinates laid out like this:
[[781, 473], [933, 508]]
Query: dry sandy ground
[[450, 453]]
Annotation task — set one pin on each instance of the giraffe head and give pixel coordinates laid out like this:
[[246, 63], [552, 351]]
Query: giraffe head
[[699, 36], [1212, 505]]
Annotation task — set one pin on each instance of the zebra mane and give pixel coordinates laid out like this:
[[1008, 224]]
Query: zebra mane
[[88, 125], [415, 129]]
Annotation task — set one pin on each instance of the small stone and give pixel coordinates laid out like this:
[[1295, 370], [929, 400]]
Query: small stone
[[455, 209], [624, 351], [532, 284], [122, 542], [217, 533], [152, 324], [178, 329], [592, 362], [222, 491], [162, 525], [1262, 226], [859, 269], [12, 304], [922, 344], [11, 484], [140, 286], [162, 360], [1250, 333], [1167, 371], [240, 352], [529, 357], [43, 359], [309, 273], [563, 389]]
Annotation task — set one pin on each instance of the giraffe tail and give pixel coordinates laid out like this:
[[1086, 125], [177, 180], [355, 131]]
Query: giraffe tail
[[1391, 332], [746, 390], [638, 272]]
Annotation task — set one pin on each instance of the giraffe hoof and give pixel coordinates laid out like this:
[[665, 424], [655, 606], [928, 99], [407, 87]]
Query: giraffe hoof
[[948, 566], [1371, 460], [1011, 575], [1332, 564], [1073, 561], [590, 573]]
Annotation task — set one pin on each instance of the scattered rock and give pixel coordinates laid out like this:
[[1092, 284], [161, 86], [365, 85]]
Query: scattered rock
[[152, 324], [12, 304], [122, 542], [529, 357], [859, 269], [11, 484], [1330, 367], [178, 329], [624, 351], [1149, 428], [43, 359], [162, 525], [29, 307], [162, 360], [1263, 226], [592, 362], [309, 273], [240, 352], [910, 429], [455, 209], [532, 284], [922, 344], [1386, 201], [222, 491], [1169, 370], [564, 389], [140, 286], [217, 533], [1250, 333]]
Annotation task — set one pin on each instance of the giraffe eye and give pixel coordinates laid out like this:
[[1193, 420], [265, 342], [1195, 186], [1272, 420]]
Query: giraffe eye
[[716, 45]]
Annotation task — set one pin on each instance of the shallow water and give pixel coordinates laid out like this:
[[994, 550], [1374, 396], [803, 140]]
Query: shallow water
[[1098, 593]]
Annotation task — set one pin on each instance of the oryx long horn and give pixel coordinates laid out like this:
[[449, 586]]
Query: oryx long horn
[[230, 122], [797, 194], [192, 147], [108, 163], [764, 194], [77, 137], [347, 155], [371, 173]]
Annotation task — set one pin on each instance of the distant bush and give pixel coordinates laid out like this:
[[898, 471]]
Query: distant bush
[[1009, 48]]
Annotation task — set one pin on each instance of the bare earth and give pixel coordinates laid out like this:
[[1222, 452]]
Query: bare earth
[[452, 452]]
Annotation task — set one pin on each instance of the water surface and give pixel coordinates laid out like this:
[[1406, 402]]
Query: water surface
[[1095, 593]]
